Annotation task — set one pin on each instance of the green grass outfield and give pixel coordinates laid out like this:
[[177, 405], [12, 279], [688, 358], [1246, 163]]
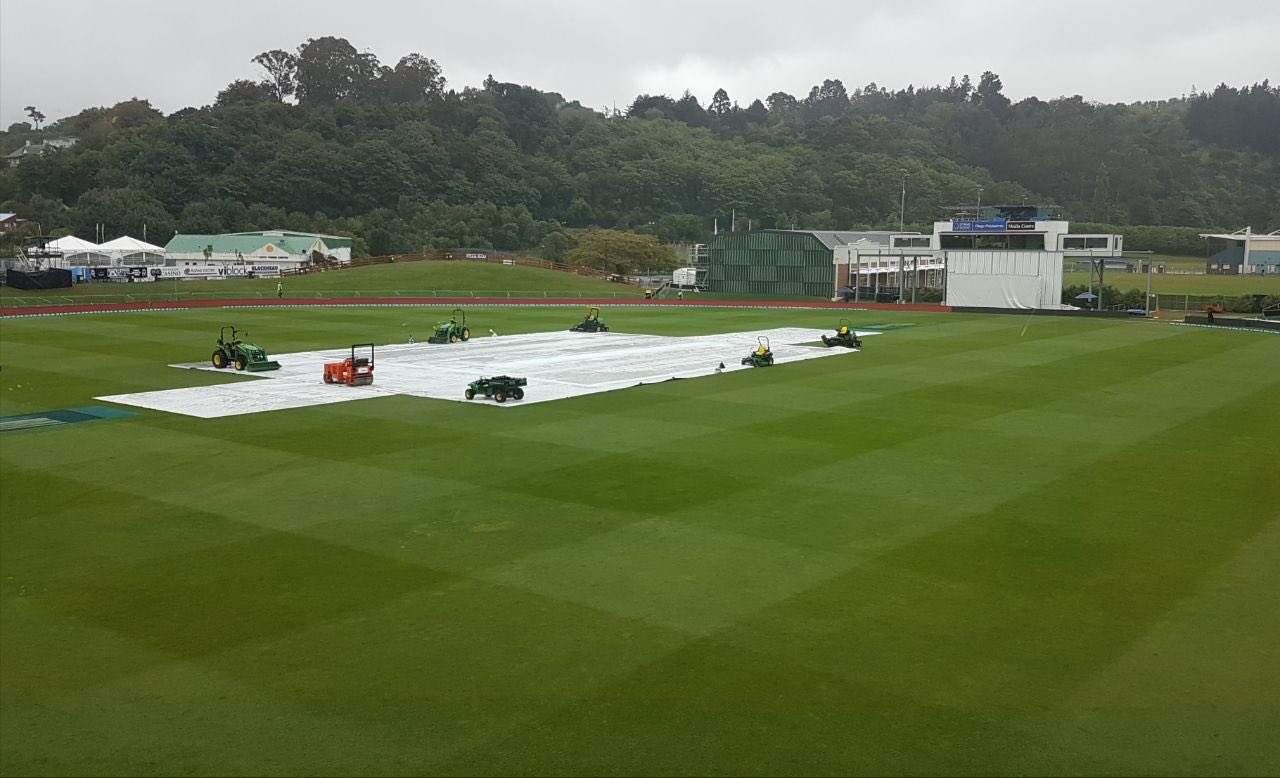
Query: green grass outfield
[[409, 278], [1168, 283], [984, 545]]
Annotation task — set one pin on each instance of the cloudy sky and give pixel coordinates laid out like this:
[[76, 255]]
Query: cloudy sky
[[64, 55]]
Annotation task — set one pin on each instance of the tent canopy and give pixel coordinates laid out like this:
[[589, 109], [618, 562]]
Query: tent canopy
[[70, 243], [130, 245]]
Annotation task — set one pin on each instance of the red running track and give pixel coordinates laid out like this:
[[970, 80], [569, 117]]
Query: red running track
[[480, 302]]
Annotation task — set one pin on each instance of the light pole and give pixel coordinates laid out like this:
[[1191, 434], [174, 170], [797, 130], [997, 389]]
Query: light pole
[[978, 213], [902, 210]]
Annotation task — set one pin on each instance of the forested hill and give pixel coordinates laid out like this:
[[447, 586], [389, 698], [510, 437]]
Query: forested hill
[[332, 140]]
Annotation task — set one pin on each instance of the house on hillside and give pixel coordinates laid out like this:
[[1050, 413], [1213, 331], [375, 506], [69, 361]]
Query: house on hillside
[[29, 149], [11, 221]]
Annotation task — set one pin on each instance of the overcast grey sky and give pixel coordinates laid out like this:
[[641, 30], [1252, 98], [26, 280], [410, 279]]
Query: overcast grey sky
[[65, 55]]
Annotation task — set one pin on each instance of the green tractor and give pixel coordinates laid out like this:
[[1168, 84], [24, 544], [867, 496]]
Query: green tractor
[[592, 323], [244, 356], [453, 330], [761, 356], [845, 336], [500, 388]]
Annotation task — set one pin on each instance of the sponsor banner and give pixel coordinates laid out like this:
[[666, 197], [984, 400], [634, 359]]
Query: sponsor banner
[[988, 225], [201, 272], [121, 275], [209, 272], [477, 256], [1021, 226]]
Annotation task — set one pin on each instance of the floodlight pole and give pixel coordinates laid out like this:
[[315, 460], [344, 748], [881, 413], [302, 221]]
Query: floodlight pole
[[1101, 263], [902, 210], [1148, 287]]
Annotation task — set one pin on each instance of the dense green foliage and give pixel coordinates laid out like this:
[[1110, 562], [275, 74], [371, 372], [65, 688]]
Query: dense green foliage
[[982, 546], [389, 155]]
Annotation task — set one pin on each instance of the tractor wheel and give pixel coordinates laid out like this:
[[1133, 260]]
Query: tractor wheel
[[499, 396], [453, 338], [466, 334], [328, 379], [470, 394], [219, 360], [517, 393], [240, 363]]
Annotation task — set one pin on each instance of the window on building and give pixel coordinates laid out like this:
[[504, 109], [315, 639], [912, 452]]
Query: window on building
[[1027, 242], [1100, 242], [1069, 243], [991, 242], [951, 241], [921, 242]]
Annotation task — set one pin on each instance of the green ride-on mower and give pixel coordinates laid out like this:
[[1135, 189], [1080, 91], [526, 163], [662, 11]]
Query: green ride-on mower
[[845, 336], [592, 323], [244, 356], [500, 388], [453, 330], [761, 356]]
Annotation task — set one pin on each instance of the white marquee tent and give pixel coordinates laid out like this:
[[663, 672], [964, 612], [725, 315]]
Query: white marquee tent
[[76, 251], [131, 250]]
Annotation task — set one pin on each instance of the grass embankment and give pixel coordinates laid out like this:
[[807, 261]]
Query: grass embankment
[[405, 278], [979, 546]]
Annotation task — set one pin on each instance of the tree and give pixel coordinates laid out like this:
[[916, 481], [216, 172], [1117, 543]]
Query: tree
[[690, 111], [621, 252], [988, 94], [245, 92], [282, 69], [379, 242], [756, 113], [35, 115], [782, 106], [828, 99], [555, 247], [643, 104], [413, 79], [122, 212], [720, 106], [330, 69]]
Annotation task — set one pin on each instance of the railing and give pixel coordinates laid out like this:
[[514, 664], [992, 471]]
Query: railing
[[324, 294]]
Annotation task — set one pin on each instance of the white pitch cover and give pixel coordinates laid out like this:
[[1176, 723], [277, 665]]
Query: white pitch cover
[[557, 364]]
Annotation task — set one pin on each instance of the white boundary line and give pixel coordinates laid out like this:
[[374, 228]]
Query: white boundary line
[[1263, 330]]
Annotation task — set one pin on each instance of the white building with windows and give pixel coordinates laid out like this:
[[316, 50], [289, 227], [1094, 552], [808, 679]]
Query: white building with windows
[[997, 257]]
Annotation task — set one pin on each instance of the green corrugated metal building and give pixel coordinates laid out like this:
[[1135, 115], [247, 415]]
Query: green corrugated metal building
[[779, 262]]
